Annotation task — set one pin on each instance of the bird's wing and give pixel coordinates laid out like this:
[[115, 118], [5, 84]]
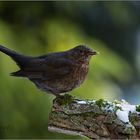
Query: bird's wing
[[49, 68]]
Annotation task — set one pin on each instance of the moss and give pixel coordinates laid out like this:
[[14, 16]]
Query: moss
[[138, 108], [64, 99], [116, 102], [100, 103], [117, 107]]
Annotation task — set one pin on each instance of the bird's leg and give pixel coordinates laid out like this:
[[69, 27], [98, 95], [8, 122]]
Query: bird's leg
[[65, 93], [57, 95], [61, 95]]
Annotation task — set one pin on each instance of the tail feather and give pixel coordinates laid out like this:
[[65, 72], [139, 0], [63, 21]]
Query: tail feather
[[21, 60], [18, 74]]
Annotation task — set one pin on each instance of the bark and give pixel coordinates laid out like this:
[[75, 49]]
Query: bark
[[93, 119]]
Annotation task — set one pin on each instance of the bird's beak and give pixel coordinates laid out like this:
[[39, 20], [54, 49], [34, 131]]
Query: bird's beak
[[94, 53]]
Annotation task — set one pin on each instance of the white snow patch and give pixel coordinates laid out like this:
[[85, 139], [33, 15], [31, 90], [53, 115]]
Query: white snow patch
[[85, 102], [81, 102], [92, 101], [123, 113]]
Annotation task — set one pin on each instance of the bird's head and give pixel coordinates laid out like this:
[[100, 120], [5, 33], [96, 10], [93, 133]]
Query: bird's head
[[83, 52]]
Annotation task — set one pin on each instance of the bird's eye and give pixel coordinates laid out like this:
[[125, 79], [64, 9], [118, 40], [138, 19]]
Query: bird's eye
[[81, 51]]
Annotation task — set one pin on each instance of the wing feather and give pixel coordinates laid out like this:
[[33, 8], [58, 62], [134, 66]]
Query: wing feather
[[49, 68]]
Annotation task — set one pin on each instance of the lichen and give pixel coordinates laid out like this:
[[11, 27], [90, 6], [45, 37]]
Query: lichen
[[88, 114], [132, 119], [129, 129]]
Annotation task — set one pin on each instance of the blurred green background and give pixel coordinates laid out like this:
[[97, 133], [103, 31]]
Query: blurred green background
[[36, 28]]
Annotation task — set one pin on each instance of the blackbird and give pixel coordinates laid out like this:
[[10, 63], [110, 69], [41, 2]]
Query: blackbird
[[54, 73]]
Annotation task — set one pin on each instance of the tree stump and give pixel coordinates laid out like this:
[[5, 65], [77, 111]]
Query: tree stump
[[95, 119]]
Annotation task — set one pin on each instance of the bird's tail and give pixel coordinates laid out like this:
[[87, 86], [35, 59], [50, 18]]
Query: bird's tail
[[21, 60]]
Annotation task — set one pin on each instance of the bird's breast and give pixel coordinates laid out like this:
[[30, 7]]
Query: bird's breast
[[80, 74]]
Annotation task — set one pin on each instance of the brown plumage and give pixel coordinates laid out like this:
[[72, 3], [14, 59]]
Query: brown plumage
[[56, 73]]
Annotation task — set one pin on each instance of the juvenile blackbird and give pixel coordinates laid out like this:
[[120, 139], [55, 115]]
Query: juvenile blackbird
[[55, 73]]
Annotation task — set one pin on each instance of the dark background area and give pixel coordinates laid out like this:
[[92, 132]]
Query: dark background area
[[36, 28]]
